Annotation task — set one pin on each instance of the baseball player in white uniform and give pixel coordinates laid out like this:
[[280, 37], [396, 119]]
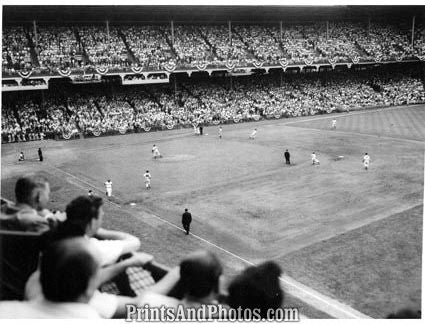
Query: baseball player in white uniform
[[155, 152], [314, 159], [253, 134], [333, 124], [147, 177], [366, 161], [108, 186]]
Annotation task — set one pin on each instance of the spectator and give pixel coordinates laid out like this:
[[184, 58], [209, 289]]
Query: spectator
[[405, 313], [257, 287], [30, 212], [68, 277], [84, 219], [199, 277]]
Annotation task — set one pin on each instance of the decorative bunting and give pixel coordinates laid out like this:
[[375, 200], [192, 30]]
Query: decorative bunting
[[355, 59], [216, 122], [170, 66], [236, 119], [64, 72], [67, 135], [122, 130], [378, 59], [256, 117], [308, 61], [96, 132], [258, 64], [277, 115], [201, 66], [102, 70], [137, 69], [25, 74], [283, 62], [230, 66]]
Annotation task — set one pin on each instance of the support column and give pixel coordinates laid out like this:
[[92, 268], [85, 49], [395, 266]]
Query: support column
[[172, 32], [368, 29], [281, 31], [107, 31], [230, 32], [413, 30], [327, 29], [35, 32]]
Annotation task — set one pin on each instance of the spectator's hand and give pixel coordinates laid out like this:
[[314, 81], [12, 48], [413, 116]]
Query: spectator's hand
[[139, 259]]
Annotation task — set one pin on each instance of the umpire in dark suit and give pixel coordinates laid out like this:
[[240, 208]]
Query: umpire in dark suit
[[287, 157], [186, 220]]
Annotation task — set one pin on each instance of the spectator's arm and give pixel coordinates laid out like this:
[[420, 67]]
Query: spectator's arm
[[165, 285], [138, 259], [131, 243]]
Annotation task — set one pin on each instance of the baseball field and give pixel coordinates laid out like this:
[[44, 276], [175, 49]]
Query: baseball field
[[348, 240]]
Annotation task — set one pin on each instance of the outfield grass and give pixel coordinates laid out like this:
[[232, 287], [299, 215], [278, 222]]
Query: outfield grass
[[375, 268], [242, 196]]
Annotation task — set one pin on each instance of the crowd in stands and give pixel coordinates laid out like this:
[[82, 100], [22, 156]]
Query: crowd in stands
[[103, 49], [16, 50], [262, 41], [57, 47], [148, 45], [153, 46], [99, 110]]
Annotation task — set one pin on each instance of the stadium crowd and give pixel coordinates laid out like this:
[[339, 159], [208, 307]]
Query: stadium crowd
[[153, 46], [97, 110]]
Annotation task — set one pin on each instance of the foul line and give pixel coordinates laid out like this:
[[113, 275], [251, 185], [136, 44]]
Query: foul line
[[333, 304]]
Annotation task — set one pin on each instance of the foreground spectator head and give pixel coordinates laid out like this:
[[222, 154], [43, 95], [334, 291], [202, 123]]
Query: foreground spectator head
[[68, 271], [405, 313], [199, 275], [85, 213], [257, 287], [32, 190]]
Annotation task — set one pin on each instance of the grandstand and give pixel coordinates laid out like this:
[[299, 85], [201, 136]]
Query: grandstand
[[152, 74]]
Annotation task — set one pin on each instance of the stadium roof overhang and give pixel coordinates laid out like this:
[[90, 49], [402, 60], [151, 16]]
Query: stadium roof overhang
[[203, 14]]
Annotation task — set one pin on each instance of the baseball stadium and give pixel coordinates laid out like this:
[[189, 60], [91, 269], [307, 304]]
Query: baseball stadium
[[255, 121]]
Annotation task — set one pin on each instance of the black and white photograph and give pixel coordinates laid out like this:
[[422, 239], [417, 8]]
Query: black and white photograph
[[199, 162]]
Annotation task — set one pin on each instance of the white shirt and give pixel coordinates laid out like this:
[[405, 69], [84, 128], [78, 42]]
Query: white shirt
[[42, 308], [147, 176], [313, 156], [109, 250], [108, 184], [366, 158]]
